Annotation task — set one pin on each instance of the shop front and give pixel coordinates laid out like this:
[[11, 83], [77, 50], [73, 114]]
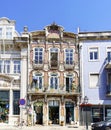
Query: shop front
[[56, 110], [69, 106], [53, 111], [4, 106], [38, 113]]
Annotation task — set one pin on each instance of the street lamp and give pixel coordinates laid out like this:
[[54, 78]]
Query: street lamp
[[85, 102]]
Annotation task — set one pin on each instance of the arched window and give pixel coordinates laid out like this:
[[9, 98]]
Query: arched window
[[37, 81], [54, 81]]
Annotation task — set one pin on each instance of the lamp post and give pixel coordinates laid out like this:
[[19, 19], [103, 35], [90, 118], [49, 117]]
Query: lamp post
[[85, 102]]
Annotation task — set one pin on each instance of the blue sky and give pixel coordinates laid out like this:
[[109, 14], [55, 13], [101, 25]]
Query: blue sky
[[88, 15]]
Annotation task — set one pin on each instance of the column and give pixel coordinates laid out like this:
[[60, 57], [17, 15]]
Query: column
[[45, 114], [24, 75], [11, 106], [62, 112]]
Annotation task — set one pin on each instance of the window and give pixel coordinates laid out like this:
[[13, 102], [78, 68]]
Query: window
[[7, 66], [54, 81], [69, 80], [53, 103], [54, 57], [9, 32], [93, 54], [69, 56], [38, 55], [37, 81], [1, 66], [109, 54], [4, 104], [0, 32], [108, 113], [97, 114], [16, 66], [94, 78], [16, 97]]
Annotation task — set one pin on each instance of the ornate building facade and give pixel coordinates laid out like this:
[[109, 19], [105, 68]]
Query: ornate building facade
[[53, 90]]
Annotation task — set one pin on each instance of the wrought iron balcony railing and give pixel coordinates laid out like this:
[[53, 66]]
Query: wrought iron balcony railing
[[49, 90], [38, 64], [69, 65]]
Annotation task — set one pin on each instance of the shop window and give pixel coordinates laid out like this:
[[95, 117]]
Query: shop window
[[97, 114], [16, 97], [4, 106]]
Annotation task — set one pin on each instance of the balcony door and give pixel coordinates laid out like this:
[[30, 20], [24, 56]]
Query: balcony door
[[68, 83], [54, 57]]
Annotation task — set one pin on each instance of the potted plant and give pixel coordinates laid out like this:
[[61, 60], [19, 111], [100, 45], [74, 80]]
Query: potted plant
[[50, 122], [62, 123]]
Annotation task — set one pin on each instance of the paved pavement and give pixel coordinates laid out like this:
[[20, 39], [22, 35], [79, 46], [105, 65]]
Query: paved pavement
[[40, 127]]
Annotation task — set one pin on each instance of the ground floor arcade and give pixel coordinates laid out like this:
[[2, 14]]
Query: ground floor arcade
[[54, 109]]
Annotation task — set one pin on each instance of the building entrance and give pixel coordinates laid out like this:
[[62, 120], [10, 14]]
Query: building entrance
[[69, 112], [38, 108], [54, 111], [54, 114]]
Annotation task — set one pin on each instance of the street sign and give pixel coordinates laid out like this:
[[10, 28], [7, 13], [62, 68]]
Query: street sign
[[22, 101]]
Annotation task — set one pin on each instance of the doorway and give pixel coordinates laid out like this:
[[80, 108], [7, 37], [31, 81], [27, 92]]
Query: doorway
[[54, 114], [38, 108], [69, 112], [54, 111]]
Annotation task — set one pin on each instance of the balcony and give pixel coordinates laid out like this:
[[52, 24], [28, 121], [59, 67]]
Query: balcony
[[108, 90], [108, 62], [54, 64], [69, 65], [37, 64], [51, 91]]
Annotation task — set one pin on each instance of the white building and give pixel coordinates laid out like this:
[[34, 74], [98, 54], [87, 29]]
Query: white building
[[13, 71]]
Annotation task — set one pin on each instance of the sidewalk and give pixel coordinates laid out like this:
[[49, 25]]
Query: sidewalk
[[40, 127]]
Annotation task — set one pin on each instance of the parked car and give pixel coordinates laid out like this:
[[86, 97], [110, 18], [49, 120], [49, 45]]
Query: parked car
[[102, 125]]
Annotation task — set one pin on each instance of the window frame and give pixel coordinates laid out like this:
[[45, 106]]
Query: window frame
[[16, 66], [1, 32], [54, 76], [37, 83], [16, 108], [9, 32], [93, 50], [65, 56], [97, 85], [7, 66], [34, 55]]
